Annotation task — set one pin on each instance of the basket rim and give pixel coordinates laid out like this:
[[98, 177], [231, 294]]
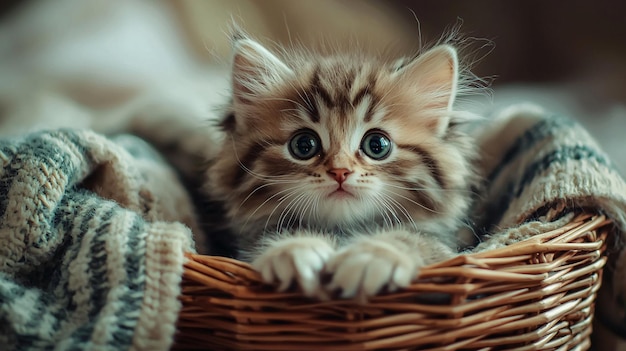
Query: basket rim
[[544, 242]]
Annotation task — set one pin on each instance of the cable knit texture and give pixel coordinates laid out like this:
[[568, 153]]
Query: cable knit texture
[[91, 243], [532, 160]]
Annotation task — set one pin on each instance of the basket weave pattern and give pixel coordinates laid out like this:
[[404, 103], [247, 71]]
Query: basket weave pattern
[[535, 294]]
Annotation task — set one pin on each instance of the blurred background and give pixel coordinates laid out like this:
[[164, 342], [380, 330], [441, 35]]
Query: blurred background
[[76, 57]]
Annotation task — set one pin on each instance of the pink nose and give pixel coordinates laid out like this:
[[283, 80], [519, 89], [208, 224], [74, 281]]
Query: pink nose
[[340, 174]]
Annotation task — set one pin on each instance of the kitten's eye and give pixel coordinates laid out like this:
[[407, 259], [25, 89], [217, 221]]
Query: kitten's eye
[[376, 145], [304, 145]]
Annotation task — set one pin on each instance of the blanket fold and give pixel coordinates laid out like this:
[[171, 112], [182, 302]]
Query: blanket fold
[[532, 161], [91, 243], [93, 229]]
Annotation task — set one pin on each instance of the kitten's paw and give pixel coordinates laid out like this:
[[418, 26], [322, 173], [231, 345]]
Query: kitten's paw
[[365, 268], [299, 260]]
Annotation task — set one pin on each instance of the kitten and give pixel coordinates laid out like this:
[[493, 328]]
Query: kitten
[[343, 167]]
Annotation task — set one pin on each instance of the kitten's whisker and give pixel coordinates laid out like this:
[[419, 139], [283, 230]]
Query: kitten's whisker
[[428, 189], [397, 210], [315, 209], [414, 202], [383, 212], [312, 209], [254, 191], [291, 210], [389, 211], [302, 209], [291, 190], [403, 210], [280, 202], [296, 209], [285, 208]]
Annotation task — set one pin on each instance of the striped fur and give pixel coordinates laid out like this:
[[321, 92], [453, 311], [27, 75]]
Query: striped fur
[[423, 186]]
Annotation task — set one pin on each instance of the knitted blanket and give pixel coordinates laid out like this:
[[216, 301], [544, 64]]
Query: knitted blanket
[[91, 243], [532, 160], [93, 228]]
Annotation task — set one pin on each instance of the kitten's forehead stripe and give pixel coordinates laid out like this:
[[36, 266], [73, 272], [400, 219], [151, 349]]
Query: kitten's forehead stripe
[[319, 90], [363, 84], [367, 91], [361, 94], [349, 78], [369, 114], [334, 93], [342, 95], [429, 160], [333, 88], [312, 111]]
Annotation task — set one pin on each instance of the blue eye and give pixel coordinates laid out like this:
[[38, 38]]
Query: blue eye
[[376, 145], [304, 145]]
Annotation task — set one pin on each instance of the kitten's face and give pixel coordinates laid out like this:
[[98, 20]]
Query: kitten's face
[[334, 142]]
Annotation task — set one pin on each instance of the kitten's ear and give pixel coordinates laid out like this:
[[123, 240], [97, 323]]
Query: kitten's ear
[[434, 75], [255, 69]]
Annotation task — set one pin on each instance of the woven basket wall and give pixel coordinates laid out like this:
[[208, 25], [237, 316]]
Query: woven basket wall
[[537, 294]]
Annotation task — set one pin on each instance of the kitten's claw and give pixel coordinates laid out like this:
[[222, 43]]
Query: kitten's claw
[[297, 260], [366, 268]]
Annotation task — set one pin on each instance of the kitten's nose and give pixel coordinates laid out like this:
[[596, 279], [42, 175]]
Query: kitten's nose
[[340, 174]]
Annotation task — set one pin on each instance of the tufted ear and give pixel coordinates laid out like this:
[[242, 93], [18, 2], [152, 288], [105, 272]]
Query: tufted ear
[[434, 76], [255, 70]]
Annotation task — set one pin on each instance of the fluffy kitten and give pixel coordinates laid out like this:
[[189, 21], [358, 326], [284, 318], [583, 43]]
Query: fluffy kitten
[[343, 167]]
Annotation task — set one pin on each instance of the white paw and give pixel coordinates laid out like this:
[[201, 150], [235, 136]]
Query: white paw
[[365, 268], [297, 259]]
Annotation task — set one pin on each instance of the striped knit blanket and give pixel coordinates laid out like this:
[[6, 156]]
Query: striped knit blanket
[[93, 228], [532, 160], [91, 243]]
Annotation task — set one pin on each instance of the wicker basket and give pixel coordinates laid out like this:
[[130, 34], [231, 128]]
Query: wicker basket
[[537, 294]]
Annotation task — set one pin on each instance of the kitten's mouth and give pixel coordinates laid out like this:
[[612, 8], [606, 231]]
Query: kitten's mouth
[[340, 193]]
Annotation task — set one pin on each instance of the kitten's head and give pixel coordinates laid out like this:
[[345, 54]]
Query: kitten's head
[[342, 140]]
